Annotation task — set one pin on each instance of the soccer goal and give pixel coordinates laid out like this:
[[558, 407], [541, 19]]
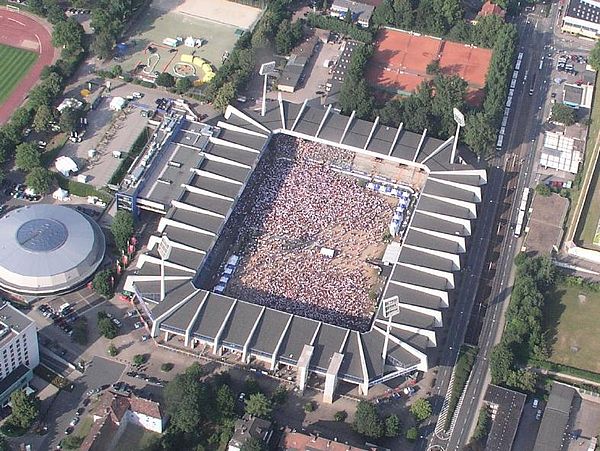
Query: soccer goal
[[13, 8]]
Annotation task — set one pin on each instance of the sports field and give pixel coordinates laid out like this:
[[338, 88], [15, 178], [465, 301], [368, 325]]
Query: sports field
[[400, 62], [14, 64], [571, 316]]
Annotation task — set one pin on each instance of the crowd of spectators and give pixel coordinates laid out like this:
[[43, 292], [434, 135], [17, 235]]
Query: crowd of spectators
[[300, 205]]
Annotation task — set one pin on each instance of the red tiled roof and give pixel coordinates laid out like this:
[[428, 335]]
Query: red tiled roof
[[297, 441], [145, 407], [491, 9]]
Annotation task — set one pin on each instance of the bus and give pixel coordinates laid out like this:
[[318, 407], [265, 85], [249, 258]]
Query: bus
[[532, 85]]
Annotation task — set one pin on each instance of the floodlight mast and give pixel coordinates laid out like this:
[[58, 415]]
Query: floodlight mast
[[266, 69], [164, 250], [391, 307], [459, 118]]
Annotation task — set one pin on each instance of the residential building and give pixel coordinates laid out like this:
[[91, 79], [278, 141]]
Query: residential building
[[112, 415], [250, 427], [582, 17], [491, 9], [361, 12], [18, 350], [293, 72], [292, 440]]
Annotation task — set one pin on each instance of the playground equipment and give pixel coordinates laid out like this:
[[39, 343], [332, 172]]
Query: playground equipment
[[149, 69], [205, 66], [181, 69]]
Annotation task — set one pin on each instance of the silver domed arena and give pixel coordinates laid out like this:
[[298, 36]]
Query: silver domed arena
[[48, 249]]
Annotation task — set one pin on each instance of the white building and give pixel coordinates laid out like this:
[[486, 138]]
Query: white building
[[361, 12], [582, 17], [19, 352]]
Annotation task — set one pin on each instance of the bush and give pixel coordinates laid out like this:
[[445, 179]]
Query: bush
[[412, 434], [543, 190], [166, 367], [112, 350], [462, 370], [421, 409], [340, 416], [309, 406], [104, 283], [139, 360]]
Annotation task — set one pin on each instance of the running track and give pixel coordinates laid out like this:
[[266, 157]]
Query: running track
[[24, 31]]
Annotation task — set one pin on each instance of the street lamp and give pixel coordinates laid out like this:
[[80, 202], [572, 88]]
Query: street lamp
[[459, 118]]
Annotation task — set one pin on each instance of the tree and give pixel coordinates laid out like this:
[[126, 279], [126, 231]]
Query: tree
[[253, 444], [183, 84], [543, 190], [72, 442], [251, 386], [288, 35], [165, 79], [367, 421], [27, 157], [403, 14], [392, 426], [309, 407], [43, 116], [25, 409], [279, 395], [384, 14], [69, 35], [412, 434], [421, 409], [479, 134], [166, 367], [258, 405], [433, 68], [107, 328], [103, 283], [225, 401], [69, 120], [594, 58], [112, 350], [103, 45], [224, 96], [501, 362], [40, 180], [122, 229], [563, 114]]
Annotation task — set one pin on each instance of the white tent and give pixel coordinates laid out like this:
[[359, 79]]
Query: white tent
[[65, 165], [189, 42], [117, 103], [60, 194]]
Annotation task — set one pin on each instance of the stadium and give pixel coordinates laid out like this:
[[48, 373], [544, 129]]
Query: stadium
[[283, 236]]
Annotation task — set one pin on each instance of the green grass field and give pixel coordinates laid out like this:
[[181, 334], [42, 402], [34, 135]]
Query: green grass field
[[571, 318], [14, 64]]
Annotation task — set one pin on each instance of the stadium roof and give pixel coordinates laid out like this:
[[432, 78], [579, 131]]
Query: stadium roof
[[48, 249], [424, 277]]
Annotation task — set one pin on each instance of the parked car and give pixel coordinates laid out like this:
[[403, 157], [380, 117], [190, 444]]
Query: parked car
[[535, 403], [116, 322], [137, 325], [538, 415], [74, 421]]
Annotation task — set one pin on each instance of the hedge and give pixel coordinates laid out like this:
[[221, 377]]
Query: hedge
[[81, 189], [462, 370], [50, 376]]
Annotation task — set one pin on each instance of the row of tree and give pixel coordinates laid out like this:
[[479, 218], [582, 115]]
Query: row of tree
[[523, 338], [109, 19]]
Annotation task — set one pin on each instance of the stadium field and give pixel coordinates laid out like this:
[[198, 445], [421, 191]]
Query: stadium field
[[14, 64]]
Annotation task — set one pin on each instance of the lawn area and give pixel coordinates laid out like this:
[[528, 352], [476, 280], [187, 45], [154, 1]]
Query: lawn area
[[14, 64], [135, 437], [571, 318], [590, 214]]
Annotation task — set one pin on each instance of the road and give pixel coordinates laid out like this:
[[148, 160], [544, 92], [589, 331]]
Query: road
[[504, 190]]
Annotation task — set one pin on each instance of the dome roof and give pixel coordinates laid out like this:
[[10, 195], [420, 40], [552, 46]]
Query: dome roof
[[48, 249]]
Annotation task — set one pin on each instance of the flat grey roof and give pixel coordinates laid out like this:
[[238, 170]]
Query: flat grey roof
[[420, 278], [11, 317], [328, 342], [556, 417], [206, 202], [427, 222], [413, 296], [269, 331], [240, 323], [422, 258], [421, 342], [182, 317], [508, 414], [433, 186], [299, 333], [422, 239], [438, 206], [213, 314], [351, 364]]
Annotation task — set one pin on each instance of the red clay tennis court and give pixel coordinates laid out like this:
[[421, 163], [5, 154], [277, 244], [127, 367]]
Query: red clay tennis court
[[400, 61]]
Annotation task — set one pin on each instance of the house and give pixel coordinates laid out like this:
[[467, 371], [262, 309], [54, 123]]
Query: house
[[292, 440], [293, 72], [112, 415], [582, 17], [249, 427], [491, 9], [361, 12]]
